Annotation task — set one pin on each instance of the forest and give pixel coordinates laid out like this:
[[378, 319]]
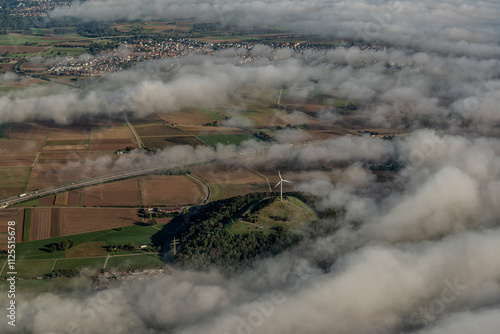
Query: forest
[[206, 242]]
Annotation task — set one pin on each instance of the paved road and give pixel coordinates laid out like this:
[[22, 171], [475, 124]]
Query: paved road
[[137, 139], [107, 178], [206, 188], [124, 175]]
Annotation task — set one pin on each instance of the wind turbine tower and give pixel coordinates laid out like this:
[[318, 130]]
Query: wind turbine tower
[[281, 188]]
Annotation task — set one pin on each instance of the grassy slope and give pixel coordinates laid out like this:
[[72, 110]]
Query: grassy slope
[[294, 210]]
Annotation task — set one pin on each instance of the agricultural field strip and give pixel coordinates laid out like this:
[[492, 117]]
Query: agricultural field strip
[[78, 258], [124, 175], [168, 136]]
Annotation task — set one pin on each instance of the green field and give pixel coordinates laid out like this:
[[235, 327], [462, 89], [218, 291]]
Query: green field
[[31, 268], [212, 140], [226, 190], [136, 234], [134, 260], [67, 142], [19, 54], [38, 31], [31, 202], [212, 114], [20, 40], [95, 262], [33, 260], [27, 225], [155, 143], [56, 52], [60, 285], [4, 128], [11, 39]]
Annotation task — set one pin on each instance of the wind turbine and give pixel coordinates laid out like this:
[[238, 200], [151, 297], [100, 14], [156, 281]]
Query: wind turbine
[[281, 188]]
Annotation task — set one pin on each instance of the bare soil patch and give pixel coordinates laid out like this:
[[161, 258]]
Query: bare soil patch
[[116, 132], [27, 131], [61, 199], [6, 67], [226, 173], [20, 147], [70, 133], [40, 224], [170, 190], [18, 161], [120, 193], [54, 222], [48, 200], [20, 226], [158, 130], [7, 215], [186, 116], [111, 144], [19, 49], [81, 220]]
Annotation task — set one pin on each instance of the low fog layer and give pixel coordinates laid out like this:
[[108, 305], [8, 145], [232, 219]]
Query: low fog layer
[[424, 254], [415, 254], [459, 27], [388, 85]]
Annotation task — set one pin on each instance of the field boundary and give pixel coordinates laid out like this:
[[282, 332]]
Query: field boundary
[[140, 191], [27, 224], [261, 175]]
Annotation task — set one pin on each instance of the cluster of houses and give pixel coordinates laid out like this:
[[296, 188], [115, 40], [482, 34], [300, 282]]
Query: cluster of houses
[[112, 60], [162, 209], [35, 8]]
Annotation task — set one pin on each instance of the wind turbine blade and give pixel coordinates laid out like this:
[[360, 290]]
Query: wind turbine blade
[[286, 181], [280, 175], [277, 184]]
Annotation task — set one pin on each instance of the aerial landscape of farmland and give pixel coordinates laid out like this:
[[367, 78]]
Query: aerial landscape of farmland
[[269, 167]]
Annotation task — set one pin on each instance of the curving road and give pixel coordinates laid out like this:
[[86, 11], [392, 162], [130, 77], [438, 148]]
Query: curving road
[[124, 175], [204, 185], [107, 178]]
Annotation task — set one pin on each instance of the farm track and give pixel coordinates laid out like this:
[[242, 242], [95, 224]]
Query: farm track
[[139, 143]]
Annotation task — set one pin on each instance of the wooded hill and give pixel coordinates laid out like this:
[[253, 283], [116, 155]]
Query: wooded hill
[[206, 241]]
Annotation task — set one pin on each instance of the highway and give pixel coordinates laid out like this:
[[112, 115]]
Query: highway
[[91, 182], [107, 178], [127, 174]]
